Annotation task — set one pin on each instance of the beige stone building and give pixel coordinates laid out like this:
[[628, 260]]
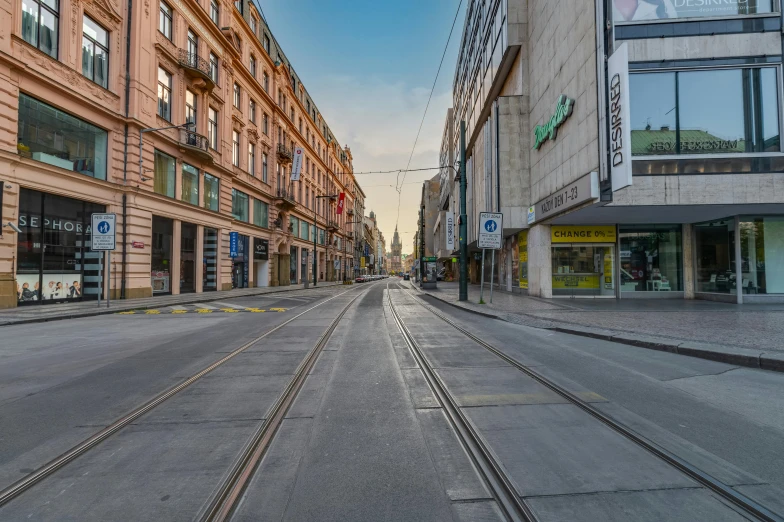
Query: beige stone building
[[207, 96], [633, 150]]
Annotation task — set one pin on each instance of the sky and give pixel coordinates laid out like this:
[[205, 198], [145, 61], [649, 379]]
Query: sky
[[369, 66]]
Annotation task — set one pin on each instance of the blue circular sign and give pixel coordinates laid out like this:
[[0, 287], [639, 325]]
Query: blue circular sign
[[491, 225], [104, 227]]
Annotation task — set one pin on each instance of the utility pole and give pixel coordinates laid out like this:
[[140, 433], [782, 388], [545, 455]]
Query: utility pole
[[463, 218]]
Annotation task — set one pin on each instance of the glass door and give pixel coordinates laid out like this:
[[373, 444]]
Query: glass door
[[583, 270]]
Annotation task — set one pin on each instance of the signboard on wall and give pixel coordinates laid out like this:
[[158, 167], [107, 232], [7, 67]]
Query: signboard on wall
[[260, 249], [234, 244], [296, 164], [634, 10], [450, 231], [583, 234], [620, 119], [575, 193]]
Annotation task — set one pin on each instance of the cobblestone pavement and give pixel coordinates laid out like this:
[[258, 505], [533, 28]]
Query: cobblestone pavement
[[754, 326]]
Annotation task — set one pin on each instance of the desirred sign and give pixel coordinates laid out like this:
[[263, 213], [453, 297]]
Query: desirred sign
[[341, 203]]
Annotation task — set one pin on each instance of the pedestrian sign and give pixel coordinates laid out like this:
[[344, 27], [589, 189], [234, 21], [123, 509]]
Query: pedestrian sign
[[103, 231], [491, 228]]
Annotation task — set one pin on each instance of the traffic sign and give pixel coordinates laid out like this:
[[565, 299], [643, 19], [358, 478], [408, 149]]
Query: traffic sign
[[103, 232], [491, 229]]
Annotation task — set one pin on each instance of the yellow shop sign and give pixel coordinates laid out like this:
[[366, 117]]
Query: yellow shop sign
[[583, 234], [571, 281]]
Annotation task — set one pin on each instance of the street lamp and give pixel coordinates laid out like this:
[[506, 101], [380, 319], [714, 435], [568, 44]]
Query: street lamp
[[315, 234], [141, 133]]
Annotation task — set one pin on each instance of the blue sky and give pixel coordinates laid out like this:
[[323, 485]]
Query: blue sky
[[369, 66]]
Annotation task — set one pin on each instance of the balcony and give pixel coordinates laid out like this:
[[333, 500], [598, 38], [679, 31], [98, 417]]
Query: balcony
[[349, 211], [285, 156], [195, 143], [332, 225], [285, 200], [196, 67]]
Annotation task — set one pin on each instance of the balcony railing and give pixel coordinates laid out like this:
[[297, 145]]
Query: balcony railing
[[332, 225], [285, 198], [195, 143], [284, 154], [196, 66]]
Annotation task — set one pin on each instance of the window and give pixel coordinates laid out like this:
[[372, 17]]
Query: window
[[164, 94], [253, 24], [193, 47], [211, 192], [682, 112], [252, 159], [300, 125], [190, 184], [253, 66], [239, 205], [292, 115], [265, 81], [260, 214], [238, 5], [210, 264], [95, 52], [307, 197], [215, 12], [237, 95], [252, 111], [49, 135], [235, 148], [304, 230], [665, 11], [212, 128], [266, 42], [164, 174], [213, 67], [265, 124], [165, 20], [190, 109], [651, 258], [762, 258], [264, 167], [294, 226], [40, 24]]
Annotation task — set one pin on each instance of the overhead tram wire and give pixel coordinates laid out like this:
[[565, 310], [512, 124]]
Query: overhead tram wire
[[446, 47]]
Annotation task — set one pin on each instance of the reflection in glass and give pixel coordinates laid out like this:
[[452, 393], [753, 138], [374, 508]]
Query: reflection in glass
[[211, 192], [652, 113], [210, 264], [651, 258], [260, 213], [715, 256], [190, 184], [711, 110], [160, 264], [762, 255], [40, 23], [239, 205], [187, 258], [164, 174]]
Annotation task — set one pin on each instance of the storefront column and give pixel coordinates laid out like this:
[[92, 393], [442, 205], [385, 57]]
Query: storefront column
[[540, 265], [688, 261], [176, 245], [199, 256]]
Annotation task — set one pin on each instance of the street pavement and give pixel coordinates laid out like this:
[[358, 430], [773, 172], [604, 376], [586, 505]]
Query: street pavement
[[365, 438]]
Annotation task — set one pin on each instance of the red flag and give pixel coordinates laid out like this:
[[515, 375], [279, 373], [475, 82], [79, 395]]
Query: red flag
[[341, 202]]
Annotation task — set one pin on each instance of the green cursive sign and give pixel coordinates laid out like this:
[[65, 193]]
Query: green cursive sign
[[549, 130]]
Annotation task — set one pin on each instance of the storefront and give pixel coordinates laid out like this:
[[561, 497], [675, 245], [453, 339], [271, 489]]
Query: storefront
[[261, 261], [187, 258], [240, 262], [522, 259], [54, 261], [161, 262], [293, 264], [651, 259], [583, 261]]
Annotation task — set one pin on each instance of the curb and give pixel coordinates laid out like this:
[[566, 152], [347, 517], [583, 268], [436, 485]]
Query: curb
[[713, 352], [97, 312]]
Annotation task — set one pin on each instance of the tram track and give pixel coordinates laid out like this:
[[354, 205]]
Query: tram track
[[747, 505], [37, 476]]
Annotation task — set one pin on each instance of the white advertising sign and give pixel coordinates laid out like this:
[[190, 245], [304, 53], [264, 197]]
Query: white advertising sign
[[573, 194], [491, 230], [531, 215], [620, 119], [296, 167], [103, 231], [450, 231]]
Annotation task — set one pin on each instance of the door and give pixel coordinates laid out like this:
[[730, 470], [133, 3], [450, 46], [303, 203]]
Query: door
[[583, 270]]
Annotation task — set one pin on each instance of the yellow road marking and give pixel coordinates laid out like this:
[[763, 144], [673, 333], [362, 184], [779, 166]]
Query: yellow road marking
[[130, 312], [278, 309], [152, 312], [255, 310], [179, 311], [203, 311], [230, 310]]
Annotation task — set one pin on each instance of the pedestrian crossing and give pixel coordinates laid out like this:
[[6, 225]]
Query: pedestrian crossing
[[204, 308]]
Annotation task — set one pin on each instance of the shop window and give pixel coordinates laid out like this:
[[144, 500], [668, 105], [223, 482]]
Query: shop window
[[239, 205], [187, 258], [625, 11], [95, 52], [762, 255], [160, 262], [211, 192], [715, 256], [52, 136], [190, 184], [40, 24], [651, 258], [260, 213], [164, 174], [210, 265], [680, 113]]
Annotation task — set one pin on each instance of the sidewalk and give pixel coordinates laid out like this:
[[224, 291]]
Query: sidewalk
[[38, 314], [746, 335]]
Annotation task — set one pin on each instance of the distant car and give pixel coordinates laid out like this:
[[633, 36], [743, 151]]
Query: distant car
[[406, 277], [441, 274], [360, 279]]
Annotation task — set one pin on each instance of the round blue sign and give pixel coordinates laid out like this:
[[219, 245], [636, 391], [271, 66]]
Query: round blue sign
[[491, 225], [104, 227]]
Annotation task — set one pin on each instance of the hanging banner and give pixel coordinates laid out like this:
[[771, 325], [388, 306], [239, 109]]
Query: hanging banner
[[619, 119], [450, 231], [341, 203], [296, 166]]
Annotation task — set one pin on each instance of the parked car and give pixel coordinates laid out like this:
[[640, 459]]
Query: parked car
[[406, 277], [360, 279]]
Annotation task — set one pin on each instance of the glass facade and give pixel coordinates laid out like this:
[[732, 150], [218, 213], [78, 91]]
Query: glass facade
[[651, 258], [715, 257], [762, 254], [188, 258], [162, 246], [209, 273], [54, 261], [52, 136]]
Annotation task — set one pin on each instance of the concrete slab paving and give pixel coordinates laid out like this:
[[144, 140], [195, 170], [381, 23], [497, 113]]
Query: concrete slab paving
[[482, 511], [421, 394], [495, 387]]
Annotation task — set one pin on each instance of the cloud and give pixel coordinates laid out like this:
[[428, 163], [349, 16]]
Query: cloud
[[379, 121]]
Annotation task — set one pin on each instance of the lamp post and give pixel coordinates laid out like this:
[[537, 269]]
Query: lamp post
[[315, 234], [141, 134]]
